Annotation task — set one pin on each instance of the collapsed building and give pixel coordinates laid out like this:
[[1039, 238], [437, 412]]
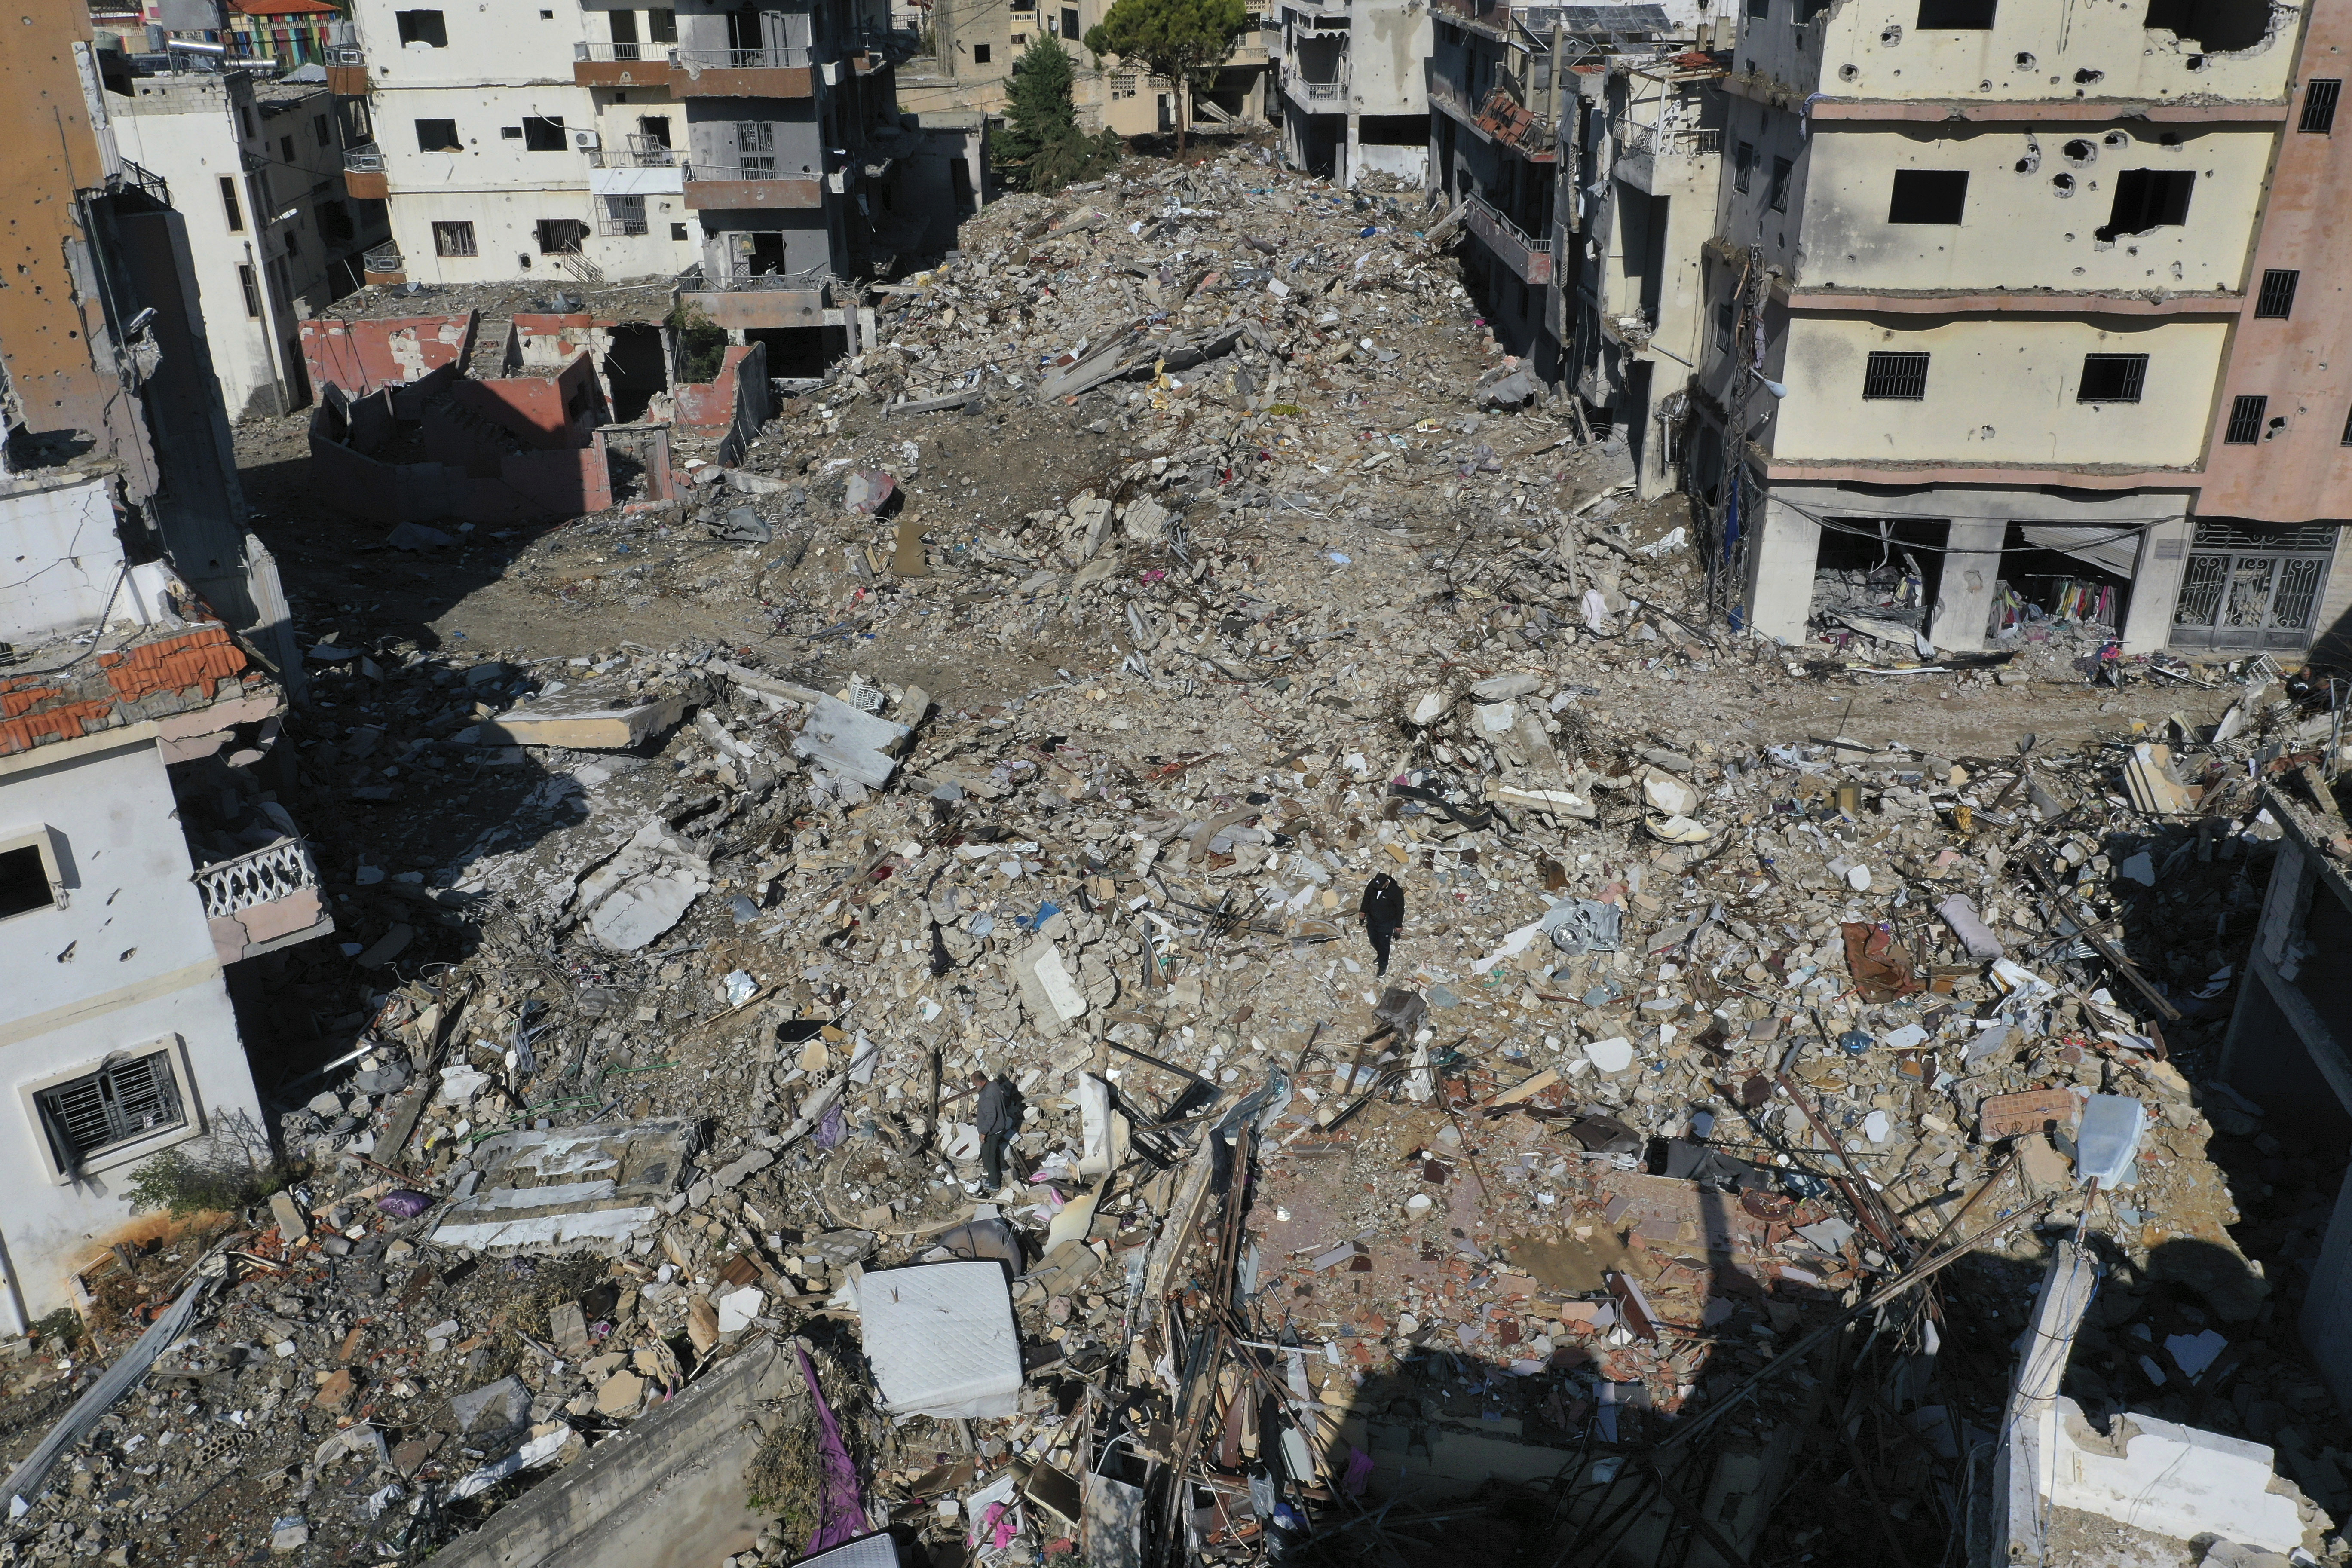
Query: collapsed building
[[1253, 982]]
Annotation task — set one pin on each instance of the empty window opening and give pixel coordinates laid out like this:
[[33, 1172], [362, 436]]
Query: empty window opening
[[543, 133], [661, 26], [1895, 376], [422, 27], [24, 881], [1957, 15], [2148, 198], [2319, 106], [1928, 195], [2112, 378], [437, 136], [247, 280], [1781, 170], [229, 204], [2217, 24], [1743, 165], [2246, 420], [119, 1103], [979, 54], [2276, 301], [560, 236]]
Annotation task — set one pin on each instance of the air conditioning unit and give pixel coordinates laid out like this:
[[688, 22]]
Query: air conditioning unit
[[587, 140]]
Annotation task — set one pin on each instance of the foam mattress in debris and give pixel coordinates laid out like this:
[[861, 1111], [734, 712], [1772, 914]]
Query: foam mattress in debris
[[940, 1340]]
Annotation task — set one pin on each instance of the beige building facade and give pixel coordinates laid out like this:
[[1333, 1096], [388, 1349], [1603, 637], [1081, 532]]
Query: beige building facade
[[1974, 290]]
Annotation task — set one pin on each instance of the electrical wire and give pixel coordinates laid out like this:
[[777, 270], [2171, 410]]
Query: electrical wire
[[2128, 529]]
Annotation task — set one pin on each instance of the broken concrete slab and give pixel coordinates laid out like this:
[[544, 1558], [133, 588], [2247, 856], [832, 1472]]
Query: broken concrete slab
[[643, 890], [582, 718], [589, 1188], [856, 745]]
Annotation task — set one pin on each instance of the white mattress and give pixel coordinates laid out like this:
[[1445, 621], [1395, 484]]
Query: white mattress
[[942, 1340]]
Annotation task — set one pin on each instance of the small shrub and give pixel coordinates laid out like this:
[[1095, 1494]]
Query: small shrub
[[701, 341], [182, 1184]]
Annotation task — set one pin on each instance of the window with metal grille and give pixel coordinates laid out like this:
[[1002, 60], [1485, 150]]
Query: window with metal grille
[[2112, 378], [2246, 420], [623, 215], [2319, 105], [755, 149], [250, 283], [1895, 376], [453, 239], [120, 1101], [2277, 302]]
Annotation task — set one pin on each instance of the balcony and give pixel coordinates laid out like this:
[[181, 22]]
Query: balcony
[[384, 264], [363, 174], [639, 169], [1319, 97], [1648, 156], [741, 73], [738, 187], [620, 65], [1529, 256], [347, 71], [263, 900], [740, 297]]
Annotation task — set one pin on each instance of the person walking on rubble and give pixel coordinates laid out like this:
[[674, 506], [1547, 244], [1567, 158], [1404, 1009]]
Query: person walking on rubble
[[1383, 911]]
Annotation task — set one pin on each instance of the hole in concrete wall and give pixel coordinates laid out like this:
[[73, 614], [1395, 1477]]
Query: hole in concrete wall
[[2086, 77], [2218, 27], [2080, 151], [799, 351], [1891, 37], [2197, 62], [1847, 73], [2117, 139], [2029, 162], [2062, 184], [2025, 62], [635, 367]]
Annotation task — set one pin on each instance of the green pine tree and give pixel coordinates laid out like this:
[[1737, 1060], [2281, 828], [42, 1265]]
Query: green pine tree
[[1183, 40], [1041, 146]]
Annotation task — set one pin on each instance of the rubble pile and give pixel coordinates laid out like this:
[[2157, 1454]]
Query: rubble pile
[[1378, 1016]]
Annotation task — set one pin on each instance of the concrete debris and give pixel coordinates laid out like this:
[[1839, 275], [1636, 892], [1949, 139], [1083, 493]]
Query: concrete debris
[[1287, 994]]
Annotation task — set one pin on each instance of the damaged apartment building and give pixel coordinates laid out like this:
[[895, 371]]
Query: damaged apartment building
[[1355, 87], [2026, 310], [975, 44], [145, 860], [758, 156]]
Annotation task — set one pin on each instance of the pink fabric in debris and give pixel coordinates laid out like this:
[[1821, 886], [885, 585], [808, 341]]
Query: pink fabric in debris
[[842, 1511]]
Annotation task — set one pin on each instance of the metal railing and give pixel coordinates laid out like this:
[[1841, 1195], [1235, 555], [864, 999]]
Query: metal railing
[[790, 59], [1632, 136], [739, 274], [367, 157], [264, 875], [578, 267], [147, 181], [383, 258], [623, 53], [1324, 88], [345, 55], [1533, 246], [633, 158], [699, 170]]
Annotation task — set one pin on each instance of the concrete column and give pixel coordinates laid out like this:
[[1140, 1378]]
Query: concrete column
[[1348, 168], [979, 171], [2156, 584], [1783, 546], [2326, 1321], [1964, 596]]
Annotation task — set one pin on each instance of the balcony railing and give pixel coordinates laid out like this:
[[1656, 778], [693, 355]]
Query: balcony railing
[[383, 258], [345, 55], [367, 157], [699, 170], [740, 59], [623, 53], [272, 872], [1533, 245], [633, 158], [1632, 136], [739, 274], [1324, 88]]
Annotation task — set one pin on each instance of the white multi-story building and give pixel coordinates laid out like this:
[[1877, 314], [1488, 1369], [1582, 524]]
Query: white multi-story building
[[255, 167], [1355, 90]]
